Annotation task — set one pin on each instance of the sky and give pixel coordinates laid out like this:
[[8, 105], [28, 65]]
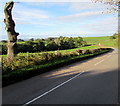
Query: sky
[[40, 19]]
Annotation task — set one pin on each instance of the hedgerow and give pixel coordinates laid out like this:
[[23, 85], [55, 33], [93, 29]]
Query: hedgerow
[[25, 66]]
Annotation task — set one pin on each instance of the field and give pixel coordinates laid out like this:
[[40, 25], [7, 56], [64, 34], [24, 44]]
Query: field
[[62, 51], [104, 41], [68, 50]]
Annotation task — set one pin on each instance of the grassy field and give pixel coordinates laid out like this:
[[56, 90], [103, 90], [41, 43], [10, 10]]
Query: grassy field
[[105, 41], [83, 48], [62, 51]]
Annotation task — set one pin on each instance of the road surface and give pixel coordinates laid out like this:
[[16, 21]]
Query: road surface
[[92, 81]]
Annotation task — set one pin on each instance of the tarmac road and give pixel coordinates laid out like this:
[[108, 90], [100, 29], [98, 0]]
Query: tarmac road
[[92, 81]]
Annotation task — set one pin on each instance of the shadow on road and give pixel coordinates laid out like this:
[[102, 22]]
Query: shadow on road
[[98, 87]]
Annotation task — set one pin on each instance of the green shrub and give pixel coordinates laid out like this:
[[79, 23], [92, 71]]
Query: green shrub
[[61, 43], [26, 66], [31, 59], [25, 60], [85, 51], [93, 51]]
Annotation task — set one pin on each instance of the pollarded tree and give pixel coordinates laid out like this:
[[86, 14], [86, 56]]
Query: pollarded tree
[[10, 28]]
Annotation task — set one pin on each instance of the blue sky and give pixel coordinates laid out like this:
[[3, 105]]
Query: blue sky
[[54, 19]]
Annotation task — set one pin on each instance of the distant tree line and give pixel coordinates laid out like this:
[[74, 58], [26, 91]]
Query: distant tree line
[[38, 45], [114, 36]]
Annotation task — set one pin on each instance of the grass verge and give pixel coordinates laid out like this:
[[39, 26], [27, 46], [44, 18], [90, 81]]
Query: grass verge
[[30, 71]]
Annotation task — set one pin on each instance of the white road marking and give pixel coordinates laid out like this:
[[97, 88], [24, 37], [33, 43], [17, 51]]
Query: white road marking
[[109, 56], [99, 62], [102, 60], [29, 102], [52, 89]]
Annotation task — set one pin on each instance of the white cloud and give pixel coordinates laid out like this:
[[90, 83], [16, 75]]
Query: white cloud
[[103, 26], [23, 12], [33, 14], [24, 15], [50, 0], [29, 22], [79, 16], [27, 17], [88, 6], [47, 4]]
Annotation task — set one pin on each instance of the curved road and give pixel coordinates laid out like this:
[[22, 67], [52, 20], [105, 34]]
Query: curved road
[[93, 81]]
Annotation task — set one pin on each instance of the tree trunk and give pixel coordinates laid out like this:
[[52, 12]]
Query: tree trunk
[[10, 28]]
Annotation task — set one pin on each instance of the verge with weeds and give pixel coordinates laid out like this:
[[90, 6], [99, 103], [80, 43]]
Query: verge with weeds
[[24, 67]]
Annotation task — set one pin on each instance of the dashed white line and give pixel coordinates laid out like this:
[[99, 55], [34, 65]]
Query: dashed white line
[[99, 62], [102, 60], [29, 102], [109, 56]]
